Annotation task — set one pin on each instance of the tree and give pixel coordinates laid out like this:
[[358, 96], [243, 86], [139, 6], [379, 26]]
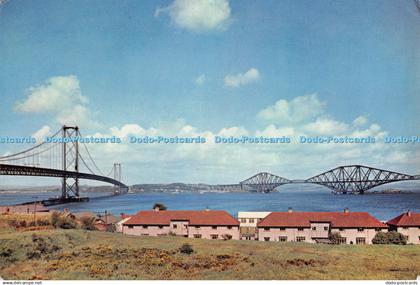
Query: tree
[[159, 206]]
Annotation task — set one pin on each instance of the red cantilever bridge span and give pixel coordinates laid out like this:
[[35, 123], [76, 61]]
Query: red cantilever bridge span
[[70, 160]]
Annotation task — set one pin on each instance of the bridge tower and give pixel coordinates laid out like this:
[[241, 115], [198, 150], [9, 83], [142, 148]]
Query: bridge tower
[[117, 171], [117, 176], [70, 160]]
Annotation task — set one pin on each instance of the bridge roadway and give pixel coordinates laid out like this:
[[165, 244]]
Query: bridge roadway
[[7, 169]]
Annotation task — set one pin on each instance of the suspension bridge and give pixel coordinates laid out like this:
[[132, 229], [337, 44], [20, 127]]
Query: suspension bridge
[[65, 157]]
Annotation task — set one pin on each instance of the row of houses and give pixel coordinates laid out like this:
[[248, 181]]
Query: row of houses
[[311, 227]]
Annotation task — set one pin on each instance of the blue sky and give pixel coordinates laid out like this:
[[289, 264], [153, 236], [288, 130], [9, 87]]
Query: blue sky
[[137, 62]]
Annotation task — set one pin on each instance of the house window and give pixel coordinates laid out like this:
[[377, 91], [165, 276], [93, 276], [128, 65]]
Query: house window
[[405, 228], [229, 227], [325, 228], [228, 236], [197, 227], [144, 234], [360, 229], [251, 220], [197, 236], [377, 230], [130, 227], [266, 239], [342, 240], [282, 229], [314, 228], [341, 229], [175, 226], [160, 227], [300, 239], [360, 240], [300, 229], [266, 229], [144, 227], [282, 238], [214, 227], [243, 220], [214, 236]]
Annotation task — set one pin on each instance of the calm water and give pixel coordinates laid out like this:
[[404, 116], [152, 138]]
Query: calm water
[[300, 198]]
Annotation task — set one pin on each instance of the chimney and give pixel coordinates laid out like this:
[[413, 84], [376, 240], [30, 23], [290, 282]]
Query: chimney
[[346, 210], [290, 210], [207, 209], [156, 209], [409, 213]]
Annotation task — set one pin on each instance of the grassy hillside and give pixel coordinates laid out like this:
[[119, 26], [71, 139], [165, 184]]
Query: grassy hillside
[[46, 253]]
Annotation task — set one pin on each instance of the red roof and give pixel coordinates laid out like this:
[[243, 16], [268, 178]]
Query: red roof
[[337, 219], [198, 218], [405, 220]]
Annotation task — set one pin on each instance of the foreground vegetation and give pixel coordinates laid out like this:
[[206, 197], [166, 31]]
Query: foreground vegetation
[[44, 252]]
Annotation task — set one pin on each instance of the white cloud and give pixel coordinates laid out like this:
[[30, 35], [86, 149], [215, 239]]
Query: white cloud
[[53, 95], [360, 121], [42, 133], [61, 96], [200, 79], [252, 75], [299, 109], [198, 15], [326, 127]]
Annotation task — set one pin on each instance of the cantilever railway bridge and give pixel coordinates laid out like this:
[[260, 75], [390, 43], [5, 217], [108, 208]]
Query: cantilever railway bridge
[[343, 179], [64, 158]]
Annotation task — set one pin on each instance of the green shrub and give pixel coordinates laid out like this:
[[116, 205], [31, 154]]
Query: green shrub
[[14, 223], [41, 246], [389, 238], [396, 238], [43, 222], [66, 223], [334, 238], [380, 238], [55, 217], [186, 249], [88, 223]]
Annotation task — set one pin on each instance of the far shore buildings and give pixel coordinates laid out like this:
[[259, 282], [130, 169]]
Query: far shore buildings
[[248, 224], [407, 224], [313, 227], [206, 224]]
